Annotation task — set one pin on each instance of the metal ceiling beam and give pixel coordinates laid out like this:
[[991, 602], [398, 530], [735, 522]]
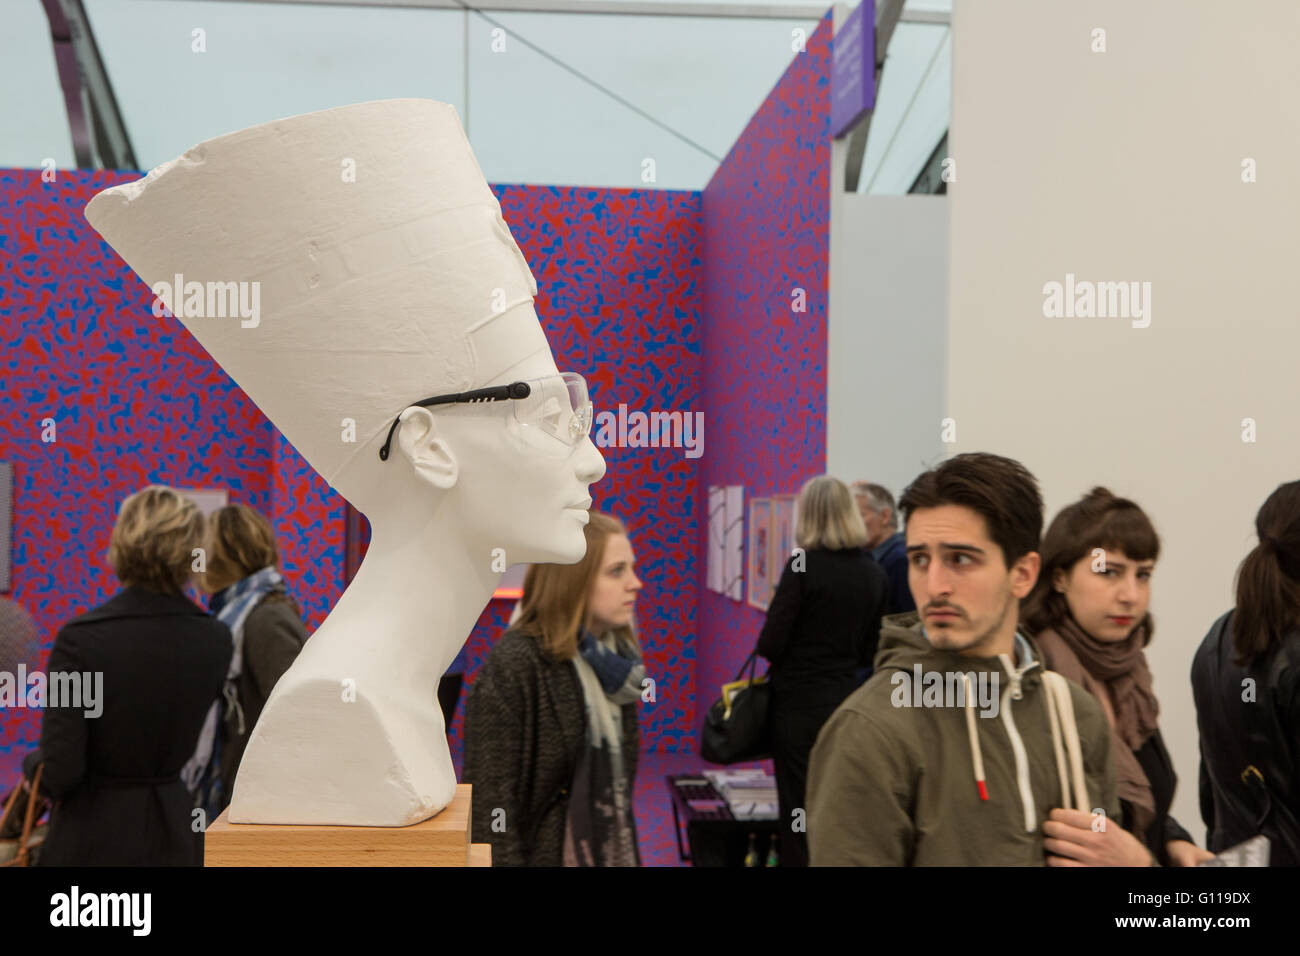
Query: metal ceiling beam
[[888, 15], [638, 8], [929, 180], [94, 118]]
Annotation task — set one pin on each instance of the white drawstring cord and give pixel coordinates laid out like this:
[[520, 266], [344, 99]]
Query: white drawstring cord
[[976, 755], [1060, 690], [1049, 701]]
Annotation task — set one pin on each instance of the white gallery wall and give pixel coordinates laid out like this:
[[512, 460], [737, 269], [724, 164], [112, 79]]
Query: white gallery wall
[[1123, 156], [886, 339]]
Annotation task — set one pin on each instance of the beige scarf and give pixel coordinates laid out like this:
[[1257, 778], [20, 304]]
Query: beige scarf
[[1116, 673]]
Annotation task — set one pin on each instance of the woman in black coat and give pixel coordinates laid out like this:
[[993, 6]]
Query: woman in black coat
[[115, 775], [822, 625], [1246, 683]]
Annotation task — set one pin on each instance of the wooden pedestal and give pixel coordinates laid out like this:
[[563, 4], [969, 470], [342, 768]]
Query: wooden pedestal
[[441, 840]]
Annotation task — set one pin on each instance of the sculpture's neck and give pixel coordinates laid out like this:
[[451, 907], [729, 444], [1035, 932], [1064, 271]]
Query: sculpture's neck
[[412, 604]]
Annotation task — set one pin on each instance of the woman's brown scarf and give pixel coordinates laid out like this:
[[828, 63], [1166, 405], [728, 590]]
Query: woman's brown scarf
[[1116, 673]]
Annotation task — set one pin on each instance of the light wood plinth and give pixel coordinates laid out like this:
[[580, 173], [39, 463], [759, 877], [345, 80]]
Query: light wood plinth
[[441, 840]]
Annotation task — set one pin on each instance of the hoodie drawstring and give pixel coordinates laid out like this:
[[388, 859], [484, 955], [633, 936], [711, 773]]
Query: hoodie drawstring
[[1065, 742], [1058, 689], [1049, 701], [975, 752]]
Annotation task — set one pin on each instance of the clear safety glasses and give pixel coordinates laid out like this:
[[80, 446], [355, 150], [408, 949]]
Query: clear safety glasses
[[553, 413]]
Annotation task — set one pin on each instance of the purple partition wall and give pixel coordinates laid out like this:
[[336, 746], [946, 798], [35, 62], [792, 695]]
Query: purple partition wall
[[136, 400], [766, 237]]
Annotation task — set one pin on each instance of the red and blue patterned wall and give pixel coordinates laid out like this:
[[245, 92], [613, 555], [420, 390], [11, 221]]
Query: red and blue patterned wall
[[766, 237]]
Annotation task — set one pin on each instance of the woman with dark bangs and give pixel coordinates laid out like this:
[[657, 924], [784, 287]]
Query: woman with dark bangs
[[1088, 614]]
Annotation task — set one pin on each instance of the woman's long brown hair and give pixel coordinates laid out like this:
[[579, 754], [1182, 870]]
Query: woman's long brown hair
[[1268, 581], [554, 607]]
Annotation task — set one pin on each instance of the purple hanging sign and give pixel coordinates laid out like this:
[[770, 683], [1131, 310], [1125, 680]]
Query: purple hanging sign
[[853, 68]]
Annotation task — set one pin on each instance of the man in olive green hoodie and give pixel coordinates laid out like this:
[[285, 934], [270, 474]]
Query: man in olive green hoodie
[[953, 753]]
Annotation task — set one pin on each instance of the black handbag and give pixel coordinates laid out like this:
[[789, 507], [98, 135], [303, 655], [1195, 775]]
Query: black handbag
[[736, 728]]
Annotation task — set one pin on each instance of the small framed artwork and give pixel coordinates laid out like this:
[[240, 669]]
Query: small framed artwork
[[760, 561], [733, 561], [717, 539], [209, 500], [782, 536]]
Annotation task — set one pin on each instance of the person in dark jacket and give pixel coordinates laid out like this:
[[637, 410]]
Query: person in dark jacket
[[115, 777], [1088, 613], [822, 628], [886, 542], [1246, 683], [249, 597], [551, 736]]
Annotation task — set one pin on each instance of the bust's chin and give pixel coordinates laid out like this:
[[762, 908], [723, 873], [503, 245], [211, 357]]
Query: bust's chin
[[569, 545]]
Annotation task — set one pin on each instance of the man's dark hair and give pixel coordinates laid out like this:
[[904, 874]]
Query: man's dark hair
[[1000, 490]]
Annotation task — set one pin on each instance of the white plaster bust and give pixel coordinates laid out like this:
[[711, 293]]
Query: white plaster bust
[[384, 275]]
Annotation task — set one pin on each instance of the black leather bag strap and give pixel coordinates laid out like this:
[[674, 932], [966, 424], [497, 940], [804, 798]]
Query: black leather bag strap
[[1275, 817], [751, 663]]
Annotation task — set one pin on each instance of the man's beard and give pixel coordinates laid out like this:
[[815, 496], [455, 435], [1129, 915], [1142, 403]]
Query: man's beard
[[988, 636]]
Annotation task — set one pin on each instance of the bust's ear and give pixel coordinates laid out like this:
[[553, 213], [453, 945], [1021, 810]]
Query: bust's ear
[[430, 454]]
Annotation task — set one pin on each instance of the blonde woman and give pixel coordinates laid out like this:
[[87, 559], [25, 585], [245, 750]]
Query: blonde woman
[[112, 764], [822, 626], [249, 597], [551, 736]]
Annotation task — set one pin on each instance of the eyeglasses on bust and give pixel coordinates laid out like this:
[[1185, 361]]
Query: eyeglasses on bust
[[554, 413]]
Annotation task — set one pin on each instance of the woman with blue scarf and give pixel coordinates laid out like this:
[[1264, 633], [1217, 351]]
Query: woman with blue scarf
[[249, 597], [551, 735]]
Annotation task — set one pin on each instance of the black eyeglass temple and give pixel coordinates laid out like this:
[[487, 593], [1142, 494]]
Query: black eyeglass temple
[[494, 393]]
